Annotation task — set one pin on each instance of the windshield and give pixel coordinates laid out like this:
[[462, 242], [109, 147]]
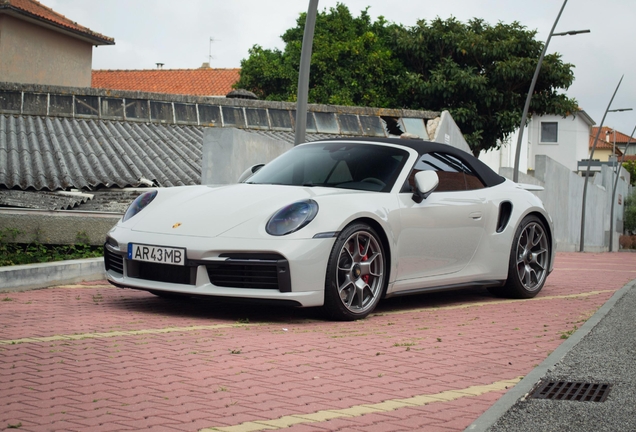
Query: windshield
[[341, 165]]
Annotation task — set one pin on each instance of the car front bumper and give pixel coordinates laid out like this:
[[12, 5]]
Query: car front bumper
[[277, 269]]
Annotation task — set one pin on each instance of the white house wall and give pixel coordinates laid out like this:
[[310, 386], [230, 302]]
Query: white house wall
[[505, 155], [571, 146], [572, 140]]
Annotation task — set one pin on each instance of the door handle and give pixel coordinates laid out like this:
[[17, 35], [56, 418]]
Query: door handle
[[475, 215]]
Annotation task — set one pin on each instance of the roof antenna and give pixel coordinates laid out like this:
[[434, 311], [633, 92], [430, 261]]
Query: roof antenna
[[210, 57], [210, 51]]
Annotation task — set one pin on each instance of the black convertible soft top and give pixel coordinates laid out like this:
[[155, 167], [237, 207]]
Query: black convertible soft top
[[487, 175]]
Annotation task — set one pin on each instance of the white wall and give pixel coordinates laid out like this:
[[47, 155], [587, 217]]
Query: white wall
[[572, 144], [505, 155]]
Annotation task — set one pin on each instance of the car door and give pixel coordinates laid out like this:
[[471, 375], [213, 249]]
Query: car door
[[441, 234]]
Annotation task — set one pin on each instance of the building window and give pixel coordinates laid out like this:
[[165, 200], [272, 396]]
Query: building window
[[549, 132]]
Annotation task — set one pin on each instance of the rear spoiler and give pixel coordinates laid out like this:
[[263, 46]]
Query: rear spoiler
[[530, 187]]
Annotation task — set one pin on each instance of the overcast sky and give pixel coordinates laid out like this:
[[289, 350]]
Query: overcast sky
[[177, 33]]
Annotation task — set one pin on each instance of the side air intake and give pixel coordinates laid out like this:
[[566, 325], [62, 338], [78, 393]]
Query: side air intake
[[505, 210]]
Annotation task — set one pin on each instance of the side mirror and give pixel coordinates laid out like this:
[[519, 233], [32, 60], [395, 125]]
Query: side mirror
[[425, 183], [249, 172]]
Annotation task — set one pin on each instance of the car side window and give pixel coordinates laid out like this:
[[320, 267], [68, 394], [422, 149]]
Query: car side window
[[454, 175]]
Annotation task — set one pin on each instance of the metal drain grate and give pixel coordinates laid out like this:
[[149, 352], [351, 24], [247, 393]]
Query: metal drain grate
[[573, 391]]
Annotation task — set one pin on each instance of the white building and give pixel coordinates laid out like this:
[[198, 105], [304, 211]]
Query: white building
[[563, 139]]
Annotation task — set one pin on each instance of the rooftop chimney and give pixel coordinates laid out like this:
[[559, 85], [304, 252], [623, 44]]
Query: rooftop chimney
[[159, 65]]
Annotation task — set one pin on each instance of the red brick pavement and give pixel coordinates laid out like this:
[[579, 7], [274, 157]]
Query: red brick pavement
[[189, 365]]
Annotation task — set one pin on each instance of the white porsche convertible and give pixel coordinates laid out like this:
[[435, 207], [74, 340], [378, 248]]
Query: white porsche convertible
[[339, 224]]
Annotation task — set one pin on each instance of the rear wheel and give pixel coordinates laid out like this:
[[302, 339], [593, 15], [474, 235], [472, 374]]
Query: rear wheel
[[529, 261], [356, 274]]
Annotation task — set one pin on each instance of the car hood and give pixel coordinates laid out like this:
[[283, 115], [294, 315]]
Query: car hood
[[204, 211]]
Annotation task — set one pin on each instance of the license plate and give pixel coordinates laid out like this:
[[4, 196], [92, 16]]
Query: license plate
[[157, 254]]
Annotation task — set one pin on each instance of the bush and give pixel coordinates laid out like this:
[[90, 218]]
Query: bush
[[629, 219], [36, 252], [626, 242]]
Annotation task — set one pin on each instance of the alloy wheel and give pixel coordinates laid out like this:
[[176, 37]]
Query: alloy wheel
[[532, 256], [360, 272]]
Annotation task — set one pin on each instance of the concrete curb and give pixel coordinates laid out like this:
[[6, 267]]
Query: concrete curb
[[42, 275], [525, 386]]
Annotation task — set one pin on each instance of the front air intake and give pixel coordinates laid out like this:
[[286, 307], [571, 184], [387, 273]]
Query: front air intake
[[259, 271]]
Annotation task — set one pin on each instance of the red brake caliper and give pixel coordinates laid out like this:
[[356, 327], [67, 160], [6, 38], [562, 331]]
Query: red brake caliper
[[365, 278]]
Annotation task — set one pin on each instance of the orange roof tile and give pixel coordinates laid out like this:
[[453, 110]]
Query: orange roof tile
[[604, 145], [37, 11], [198, 82], [621, 138]]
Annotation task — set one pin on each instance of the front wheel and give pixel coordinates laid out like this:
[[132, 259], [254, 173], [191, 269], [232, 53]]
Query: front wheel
[[356, 274], [529, 261]]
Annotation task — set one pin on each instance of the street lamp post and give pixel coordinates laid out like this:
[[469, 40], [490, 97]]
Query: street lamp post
[[303, 73], [618, 170], [589, 164], [526, 107]]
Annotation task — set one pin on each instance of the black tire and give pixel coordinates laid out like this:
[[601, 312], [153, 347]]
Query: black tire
[[356, 274], [529, 261]]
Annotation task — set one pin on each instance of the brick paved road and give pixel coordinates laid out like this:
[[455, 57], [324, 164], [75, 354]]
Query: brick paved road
[[94, 357]]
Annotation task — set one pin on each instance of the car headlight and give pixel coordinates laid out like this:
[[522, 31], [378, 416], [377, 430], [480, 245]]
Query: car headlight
[[139, 204], [291, 218]]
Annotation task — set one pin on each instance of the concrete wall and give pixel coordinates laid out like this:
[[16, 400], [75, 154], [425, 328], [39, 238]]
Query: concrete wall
[[56, 227], [447, 132], [35, 55], [228, 152], [563, 198], [44, 275]]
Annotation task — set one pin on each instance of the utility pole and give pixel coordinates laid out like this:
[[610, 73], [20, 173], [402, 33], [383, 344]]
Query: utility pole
[[618, 171], [589, 164], [303, 73]]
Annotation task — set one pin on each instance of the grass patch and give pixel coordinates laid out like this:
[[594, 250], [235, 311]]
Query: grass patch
[[568, 333]]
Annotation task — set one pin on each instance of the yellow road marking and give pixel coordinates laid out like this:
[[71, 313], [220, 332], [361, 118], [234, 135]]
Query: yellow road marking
[[360, 410], [118, 333], [619, 270], [495, 302], [222, 326]]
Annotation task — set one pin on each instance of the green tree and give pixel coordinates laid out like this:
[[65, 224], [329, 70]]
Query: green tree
[[480, 74], [352, 63], [629, 217], [630, 166]]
